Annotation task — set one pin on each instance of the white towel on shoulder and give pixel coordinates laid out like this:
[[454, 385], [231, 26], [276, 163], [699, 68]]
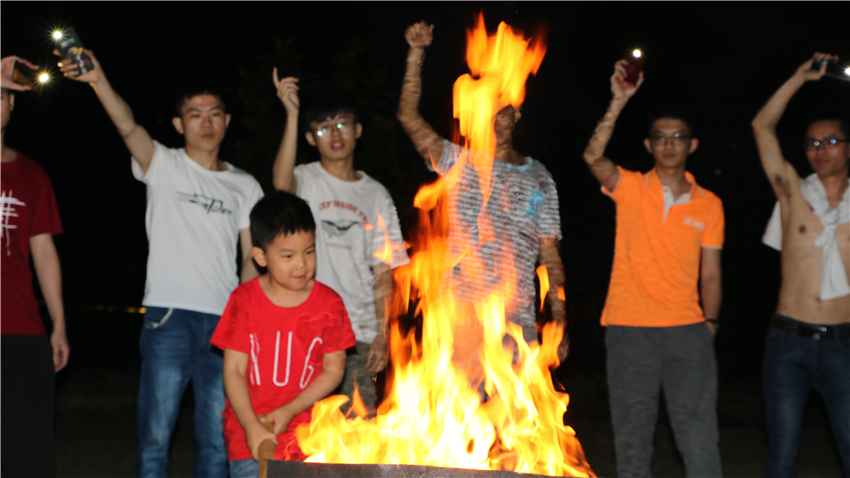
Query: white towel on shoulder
[[833, 276]]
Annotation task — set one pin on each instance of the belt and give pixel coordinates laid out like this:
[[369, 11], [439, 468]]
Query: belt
[[811, 331]]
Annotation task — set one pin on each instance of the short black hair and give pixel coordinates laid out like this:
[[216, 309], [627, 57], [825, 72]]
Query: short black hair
[[198, 85], [831, 113], [673, 111], [279, 213], [327, 104]]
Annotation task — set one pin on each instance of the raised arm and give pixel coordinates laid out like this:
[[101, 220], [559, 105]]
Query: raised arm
[[425, 139], [49, 273], [780, 173], [136, 138], [333, 368], [604, 169], [284, 163]]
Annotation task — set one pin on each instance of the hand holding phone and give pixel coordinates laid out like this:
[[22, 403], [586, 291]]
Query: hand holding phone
[[634, 65], [833, 69], [23, 75], [71, 49]]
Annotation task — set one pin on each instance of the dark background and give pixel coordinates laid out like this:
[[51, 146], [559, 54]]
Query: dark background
[[723, 59]]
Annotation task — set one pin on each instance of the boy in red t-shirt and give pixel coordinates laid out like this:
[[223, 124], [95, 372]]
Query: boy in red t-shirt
[[283, 334]]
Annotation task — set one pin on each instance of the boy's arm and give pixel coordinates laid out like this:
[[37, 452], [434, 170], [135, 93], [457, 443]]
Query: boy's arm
[[376, 359], [49, 273], [136, 138], [550, 257], [604, 169], [710, 283], [236, 388], [248, 269], [426, 141], [333, 368], [780, 173], [284, 163]]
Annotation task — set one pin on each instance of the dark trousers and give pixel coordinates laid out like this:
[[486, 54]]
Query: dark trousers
[[28, 400], [641, 363], [794, 365]]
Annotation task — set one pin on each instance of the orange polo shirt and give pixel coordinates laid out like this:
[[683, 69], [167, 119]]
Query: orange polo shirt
[[656, 259]]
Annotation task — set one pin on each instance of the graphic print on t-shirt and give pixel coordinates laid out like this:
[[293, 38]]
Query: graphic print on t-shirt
[[209, 204], [338, 228], [8, 202]]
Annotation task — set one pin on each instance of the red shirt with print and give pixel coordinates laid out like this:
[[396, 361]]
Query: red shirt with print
[[285, 348], [29, 209]]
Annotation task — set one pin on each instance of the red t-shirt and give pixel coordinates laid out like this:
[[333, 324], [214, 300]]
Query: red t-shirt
[[29, 209], [285, 348]]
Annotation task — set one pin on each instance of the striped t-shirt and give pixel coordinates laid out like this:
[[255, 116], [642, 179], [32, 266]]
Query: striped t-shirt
[[522, 208]]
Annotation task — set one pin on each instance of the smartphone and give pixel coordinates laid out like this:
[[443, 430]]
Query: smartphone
[[833, 69], [71, 48], [24, 75], [634, 65]]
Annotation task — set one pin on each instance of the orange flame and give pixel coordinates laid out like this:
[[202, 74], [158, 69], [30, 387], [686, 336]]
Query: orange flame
[[543, 275], [385, 254], [433, 412]]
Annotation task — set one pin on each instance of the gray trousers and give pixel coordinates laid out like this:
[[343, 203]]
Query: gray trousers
[[643, 361]]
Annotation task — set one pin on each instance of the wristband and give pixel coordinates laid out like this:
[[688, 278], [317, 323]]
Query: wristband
[[714, 323]]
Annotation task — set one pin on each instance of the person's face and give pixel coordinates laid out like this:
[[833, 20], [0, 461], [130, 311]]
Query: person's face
[[827, 159], [335, 137], [290, 259], [670, 142], [202, 122], [505, 122], [7, 104]]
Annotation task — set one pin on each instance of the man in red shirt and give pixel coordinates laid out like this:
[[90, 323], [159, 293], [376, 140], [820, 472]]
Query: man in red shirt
[[29, 360]]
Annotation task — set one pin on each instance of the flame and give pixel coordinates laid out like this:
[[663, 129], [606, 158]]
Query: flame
[[543, 275], [433, 412], [386, 253]]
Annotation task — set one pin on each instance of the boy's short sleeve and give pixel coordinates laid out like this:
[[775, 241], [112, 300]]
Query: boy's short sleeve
[[232, 330], [391, 230], [549, 214], [626, 187], [337, 334], [44, 218], [451, 152], [715, 225], [157, 168], [254, 194]]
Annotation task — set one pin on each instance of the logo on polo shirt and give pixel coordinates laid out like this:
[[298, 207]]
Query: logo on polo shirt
[[694, 223], [209, 204]]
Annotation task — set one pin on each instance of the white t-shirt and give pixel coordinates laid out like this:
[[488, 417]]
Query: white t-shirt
[[193, 219], [348, 233], [522, 208]]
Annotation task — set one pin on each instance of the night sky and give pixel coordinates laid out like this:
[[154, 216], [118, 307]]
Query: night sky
[[722, 59]]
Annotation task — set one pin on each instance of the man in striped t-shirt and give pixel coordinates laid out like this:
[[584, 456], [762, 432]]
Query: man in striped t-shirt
[[508, 232]]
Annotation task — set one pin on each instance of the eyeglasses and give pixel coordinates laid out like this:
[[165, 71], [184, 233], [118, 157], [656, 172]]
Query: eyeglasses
[[829, 143], [676, 138], [344, 126]]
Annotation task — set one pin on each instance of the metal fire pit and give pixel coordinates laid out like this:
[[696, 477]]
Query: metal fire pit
[[290, 469]]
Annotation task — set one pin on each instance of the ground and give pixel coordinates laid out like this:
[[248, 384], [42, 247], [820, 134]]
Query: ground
[[96, 401]]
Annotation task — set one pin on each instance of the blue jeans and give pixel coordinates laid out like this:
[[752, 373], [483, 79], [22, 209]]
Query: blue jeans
[[793, 365], [175, 346], [244, 469]]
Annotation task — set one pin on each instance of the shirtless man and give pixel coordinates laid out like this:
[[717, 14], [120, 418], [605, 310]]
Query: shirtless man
[[808, 344]]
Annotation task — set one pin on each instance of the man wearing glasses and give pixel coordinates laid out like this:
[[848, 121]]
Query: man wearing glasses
[[659, 336], [808, 343], [355, 217]]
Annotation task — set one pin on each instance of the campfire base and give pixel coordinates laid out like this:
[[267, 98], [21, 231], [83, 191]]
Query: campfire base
[[288, 469]]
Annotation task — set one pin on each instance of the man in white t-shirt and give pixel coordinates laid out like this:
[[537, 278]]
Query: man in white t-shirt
[[358, 239], [198, 209]]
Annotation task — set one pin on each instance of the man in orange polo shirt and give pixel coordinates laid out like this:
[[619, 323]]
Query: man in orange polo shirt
[[661, 325]]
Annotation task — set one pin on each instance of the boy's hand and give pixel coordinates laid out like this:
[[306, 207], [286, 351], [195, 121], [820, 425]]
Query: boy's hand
[[280, 416], [70, 69], [419, 35], [807, 74], [287, 91], [7, 68], [59, 343], [376, 359], [619, 88], [256, 433]]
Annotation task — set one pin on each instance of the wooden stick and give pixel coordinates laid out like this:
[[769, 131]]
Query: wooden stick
[[266, 452]]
